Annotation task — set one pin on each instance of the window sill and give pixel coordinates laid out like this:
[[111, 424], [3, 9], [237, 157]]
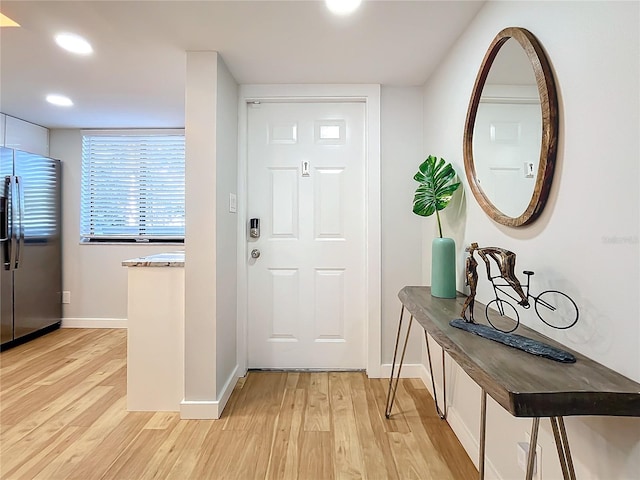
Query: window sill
[[133, 244]]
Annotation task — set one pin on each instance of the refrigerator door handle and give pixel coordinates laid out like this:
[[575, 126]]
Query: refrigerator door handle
[[20, 236], [13, 234], [4, 220], [6, 242]]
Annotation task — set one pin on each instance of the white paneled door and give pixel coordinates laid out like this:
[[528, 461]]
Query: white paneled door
[[507, 136], [306, 184]]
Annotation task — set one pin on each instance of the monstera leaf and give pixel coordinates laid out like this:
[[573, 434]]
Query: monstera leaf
[[436, 188]]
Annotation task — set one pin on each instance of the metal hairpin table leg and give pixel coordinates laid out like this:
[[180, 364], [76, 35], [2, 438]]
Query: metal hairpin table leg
[[562, 445], [391, 394], [441, 413], [483, 434], [533, 441]]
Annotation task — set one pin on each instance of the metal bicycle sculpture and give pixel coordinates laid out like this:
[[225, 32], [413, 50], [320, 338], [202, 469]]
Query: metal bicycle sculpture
[[553, 307]]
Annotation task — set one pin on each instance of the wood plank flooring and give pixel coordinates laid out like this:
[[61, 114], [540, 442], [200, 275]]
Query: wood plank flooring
[[63, 416]]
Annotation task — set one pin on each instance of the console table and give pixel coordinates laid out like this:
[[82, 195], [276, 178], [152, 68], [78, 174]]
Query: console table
[[523, 384]]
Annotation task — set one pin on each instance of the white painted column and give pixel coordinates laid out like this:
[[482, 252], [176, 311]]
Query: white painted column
[[200, 243]]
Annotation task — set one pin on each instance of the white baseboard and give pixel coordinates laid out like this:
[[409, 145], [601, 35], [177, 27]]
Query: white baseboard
[[94, 323], [468, 439], [209, 409], [199, 410], [469, 442], [409, 370], [426, 378], [227, 390]]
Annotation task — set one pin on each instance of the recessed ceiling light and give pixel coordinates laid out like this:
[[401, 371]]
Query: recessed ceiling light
[[342, 7], [74, 43], [7, 22], [59, 100]]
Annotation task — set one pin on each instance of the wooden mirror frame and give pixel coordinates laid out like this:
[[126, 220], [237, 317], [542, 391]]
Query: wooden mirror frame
[[549, 141]]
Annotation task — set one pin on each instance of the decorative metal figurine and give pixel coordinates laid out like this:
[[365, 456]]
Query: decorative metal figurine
[[553, 307], [506, 261], [471, 280]]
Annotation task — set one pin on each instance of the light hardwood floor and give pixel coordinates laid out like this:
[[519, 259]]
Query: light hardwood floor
[[63, 416]]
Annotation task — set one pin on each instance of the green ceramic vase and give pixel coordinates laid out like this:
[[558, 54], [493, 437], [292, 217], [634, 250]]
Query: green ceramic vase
[[443, 268]]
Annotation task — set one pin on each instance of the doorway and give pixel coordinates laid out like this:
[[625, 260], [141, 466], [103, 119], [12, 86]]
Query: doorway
[[310, 172], [306, 269]]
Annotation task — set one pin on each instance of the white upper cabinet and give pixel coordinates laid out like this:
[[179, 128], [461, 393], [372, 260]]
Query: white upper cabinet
[[25, 136]]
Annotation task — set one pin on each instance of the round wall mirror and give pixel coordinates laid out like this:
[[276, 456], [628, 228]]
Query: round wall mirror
[[511, 131]]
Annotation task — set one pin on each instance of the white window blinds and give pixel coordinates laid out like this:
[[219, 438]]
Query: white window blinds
[[132, 186]]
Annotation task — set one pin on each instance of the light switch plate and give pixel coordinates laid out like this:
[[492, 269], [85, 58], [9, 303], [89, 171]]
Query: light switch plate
[[233, 203], [529, 168]]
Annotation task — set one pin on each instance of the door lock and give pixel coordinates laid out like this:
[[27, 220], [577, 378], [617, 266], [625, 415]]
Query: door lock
[[255, 253], [254, 228]]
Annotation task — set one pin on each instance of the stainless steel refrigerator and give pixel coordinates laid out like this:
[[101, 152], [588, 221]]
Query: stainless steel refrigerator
[[31, 272]]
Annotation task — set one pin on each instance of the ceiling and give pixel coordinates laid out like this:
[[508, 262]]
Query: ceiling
[[136, 75]]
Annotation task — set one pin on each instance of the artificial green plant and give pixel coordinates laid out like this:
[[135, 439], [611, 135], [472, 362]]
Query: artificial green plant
[[436, 188]]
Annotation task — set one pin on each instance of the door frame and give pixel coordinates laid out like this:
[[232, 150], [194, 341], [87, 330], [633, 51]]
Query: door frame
[[370, 95]]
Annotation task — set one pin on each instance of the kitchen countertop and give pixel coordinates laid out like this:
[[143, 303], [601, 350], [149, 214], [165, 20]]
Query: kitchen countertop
[[170, 259]]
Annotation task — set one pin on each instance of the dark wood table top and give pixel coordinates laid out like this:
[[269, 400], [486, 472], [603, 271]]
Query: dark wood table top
[[525, 385]]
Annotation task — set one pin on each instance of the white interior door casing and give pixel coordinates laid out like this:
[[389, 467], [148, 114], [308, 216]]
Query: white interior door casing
[[306, 184]]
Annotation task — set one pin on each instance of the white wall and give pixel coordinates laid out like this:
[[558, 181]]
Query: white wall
[[401, 147], [226, 230], [93, 273], [586, 241]]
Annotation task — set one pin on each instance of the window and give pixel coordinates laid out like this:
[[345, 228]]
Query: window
[[132, 186]]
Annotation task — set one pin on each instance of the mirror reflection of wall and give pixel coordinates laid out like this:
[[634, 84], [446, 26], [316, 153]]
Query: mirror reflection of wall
[[508, 131]]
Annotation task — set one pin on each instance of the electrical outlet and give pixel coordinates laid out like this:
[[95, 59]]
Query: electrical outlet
[[66, 297], [523, 456]]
